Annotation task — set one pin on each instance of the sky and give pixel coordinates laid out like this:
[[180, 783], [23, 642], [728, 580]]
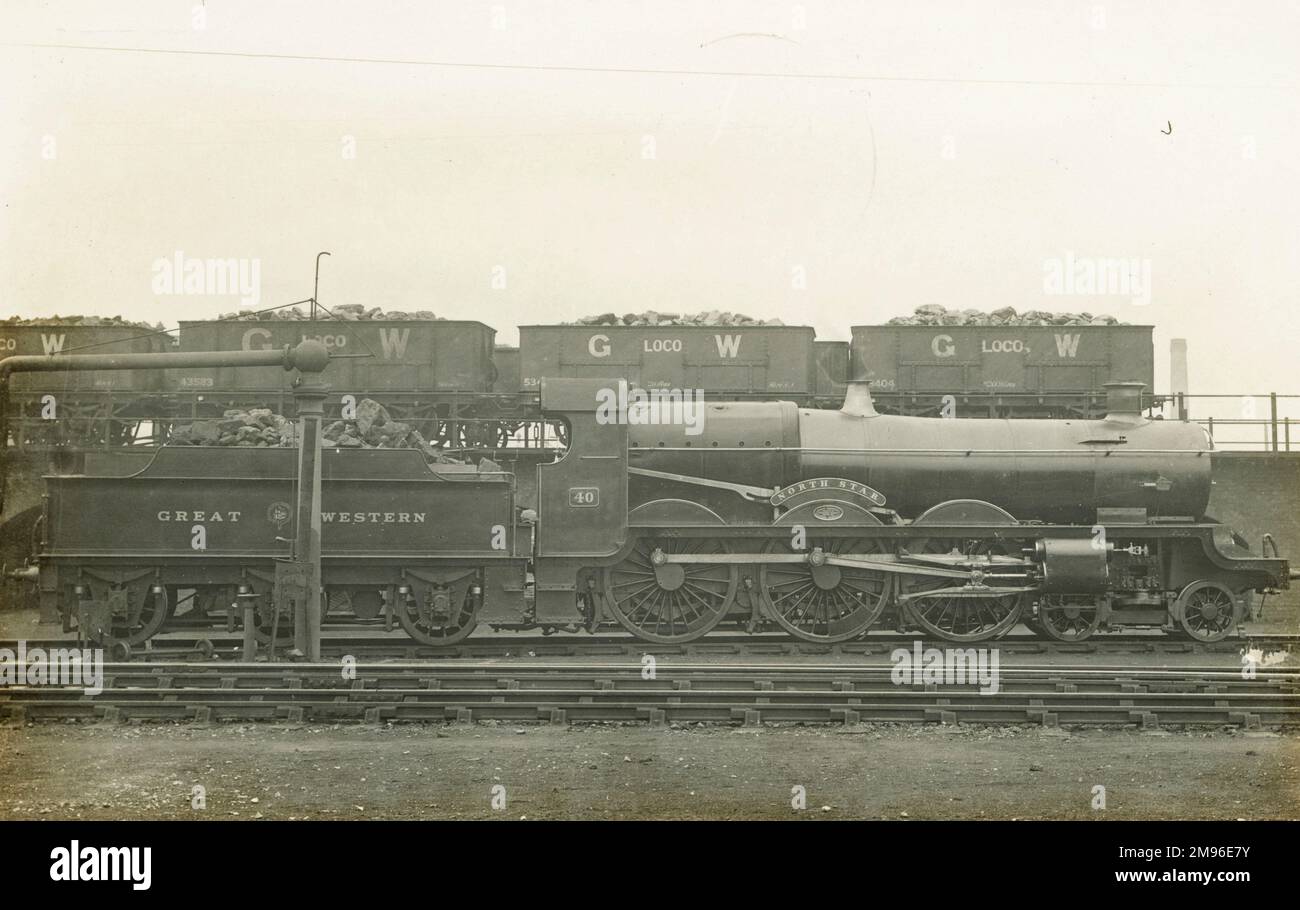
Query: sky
[[828, 164]]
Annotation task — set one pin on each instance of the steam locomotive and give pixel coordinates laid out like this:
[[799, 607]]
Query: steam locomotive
[[756, 516]]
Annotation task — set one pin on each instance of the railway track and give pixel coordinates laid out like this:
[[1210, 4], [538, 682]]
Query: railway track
[[177, 646], [728, 693]]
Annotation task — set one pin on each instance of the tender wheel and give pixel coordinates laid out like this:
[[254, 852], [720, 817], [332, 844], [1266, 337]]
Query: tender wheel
[[825, 603], [962, 618], [429, 614], [155, 612], [1067, 617], [133, 625], [1207, 611], [671, 603]]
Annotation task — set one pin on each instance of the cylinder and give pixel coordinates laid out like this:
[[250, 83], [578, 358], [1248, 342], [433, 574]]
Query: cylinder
[[1074, 566]]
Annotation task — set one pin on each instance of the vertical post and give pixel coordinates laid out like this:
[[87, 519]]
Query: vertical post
[[1178, 373], [250, 631], [309, 394], [1272, 403], [315, 292]]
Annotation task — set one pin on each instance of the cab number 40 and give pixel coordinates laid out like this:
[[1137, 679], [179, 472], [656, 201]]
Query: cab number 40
[[584, 497]]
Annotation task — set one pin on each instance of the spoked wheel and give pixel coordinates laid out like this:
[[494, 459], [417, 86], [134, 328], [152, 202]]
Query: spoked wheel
[[962, 618], [825, 603], [1067, 617], [671, 603], [429, 614], [138, 627], [967, 618], [1207, 611], [479, 434]]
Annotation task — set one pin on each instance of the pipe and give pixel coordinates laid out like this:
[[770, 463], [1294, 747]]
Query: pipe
[[309, 357]]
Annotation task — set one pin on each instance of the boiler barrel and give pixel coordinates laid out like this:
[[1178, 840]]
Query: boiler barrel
[[1049, 470]]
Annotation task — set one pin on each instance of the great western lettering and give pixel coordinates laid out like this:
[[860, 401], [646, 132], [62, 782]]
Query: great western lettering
[[374, 518], [200, 515]]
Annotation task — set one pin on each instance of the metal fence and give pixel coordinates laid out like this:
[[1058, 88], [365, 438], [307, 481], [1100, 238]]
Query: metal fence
[[1251, 423]]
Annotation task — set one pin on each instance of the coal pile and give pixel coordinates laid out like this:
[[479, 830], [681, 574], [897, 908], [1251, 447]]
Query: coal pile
[[373, 428], [345, 312], [654, 317], [83, 320], [257, 427], [936, 314]]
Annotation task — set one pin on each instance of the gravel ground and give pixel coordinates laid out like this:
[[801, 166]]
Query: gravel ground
[[254, 771]]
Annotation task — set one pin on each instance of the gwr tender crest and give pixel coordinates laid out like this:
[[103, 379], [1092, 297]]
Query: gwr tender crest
[[278, 513]]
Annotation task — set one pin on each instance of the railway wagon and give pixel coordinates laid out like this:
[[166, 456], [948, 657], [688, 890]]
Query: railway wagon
[[506, 360], [999, 371], [832, 370], [726, 362], [385, 358], [78, 409], [198, 532]]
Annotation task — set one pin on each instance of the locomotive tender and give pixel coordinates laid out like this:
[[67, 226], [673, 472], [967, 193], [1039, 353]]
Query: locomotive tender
[[821, 523]]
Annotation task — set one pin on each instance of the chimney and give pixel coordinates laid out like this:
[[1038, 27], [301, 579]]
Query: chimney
[[1124, 401], [857, 399]]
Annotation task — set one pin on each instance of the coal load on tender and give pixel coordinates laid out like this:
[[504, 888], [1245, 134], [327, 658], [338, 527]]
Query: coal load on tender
[[372, 428]]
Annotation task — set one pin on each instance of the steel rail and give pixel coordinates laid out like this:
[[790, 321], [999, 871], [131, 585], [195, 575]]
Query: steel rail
[[397, 646], [687, 697]]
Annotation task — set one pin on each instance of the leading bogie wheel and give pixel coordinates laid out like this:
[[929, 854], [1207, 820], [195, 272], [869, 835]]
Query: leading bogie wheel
[[1067, 617], [1207, 611]]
